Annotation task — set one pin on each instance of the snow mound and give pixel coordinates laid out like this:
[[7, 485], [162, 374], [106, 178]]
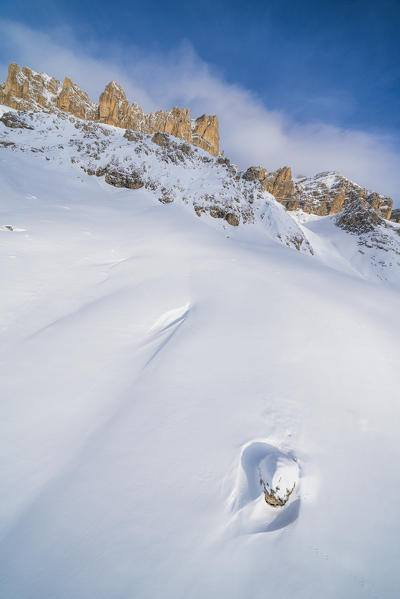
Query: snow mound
[[266, 492]]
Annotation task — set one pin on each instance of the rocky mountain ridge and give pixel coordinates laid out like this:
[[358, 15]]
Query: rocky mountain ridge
[[24, 89], [58, 122], [170, 170], [323, 194]]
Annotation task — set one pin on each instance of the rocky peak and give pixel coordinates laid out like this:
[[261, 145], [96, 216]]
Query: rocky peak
[[74, 100], [325, 193], [114, 107], [25, 89], [330, 192]]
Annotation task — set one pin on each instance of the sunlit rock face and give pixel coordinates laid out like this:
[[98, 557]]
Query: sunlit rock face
[[74, 100], [205, 133], [25, 89]]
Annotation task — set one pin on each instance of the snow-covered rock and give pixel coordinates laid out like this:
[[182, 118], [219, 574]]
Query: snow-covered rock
[[330, 192]]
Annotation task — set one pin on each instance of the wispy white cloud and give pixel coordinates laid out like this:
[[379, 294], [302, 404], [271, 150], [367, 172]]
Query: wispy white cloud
[[250, 132]]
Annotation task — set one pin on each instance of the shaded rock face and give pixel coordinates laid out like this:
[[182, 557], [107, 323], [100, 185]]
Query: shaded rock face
[[395, 216], [372, 232], [27, 90], [161, 139], [359, 217], [15, 121], [255, 173], [121, 179]]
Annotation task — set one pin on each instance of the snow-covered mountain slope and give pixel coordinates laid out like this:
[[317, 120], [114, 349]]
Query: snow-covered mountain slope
[[357, 241], [171, 169], [162, 373]]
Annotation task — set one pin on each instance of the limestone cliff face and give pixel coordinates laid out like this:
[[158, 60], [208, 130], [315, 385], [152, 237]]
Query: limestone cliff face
[[27, 90], [116, 110], [279, 183], [24, 89], [114, 107], [205, 133], [74, 100], [175, 122]]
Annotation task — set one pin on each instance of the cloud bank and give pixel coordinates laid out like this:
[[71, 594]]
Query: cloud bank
[[250, 132]]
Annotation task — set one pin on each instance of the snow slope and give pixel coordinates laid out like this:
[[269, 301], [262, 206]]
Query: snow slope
[[153, 364], [172, 171]]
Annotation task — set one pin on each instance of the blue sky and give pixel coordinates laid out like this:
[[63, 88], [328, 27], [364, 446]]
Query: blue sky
[[336, 60], [307, 66]]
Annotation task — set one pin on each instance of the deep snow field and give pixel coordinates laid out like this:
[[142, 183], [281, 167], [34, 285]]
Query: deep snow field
[[153, 365]]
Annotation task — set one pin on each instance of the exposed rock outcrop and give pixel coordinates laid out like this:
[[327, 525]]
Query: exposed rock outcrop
[[205, 133], [122, 179], [376, 237], [14, 120], [114, 108], [395, 216], [255, 173], [174, 122], [359, 217], [27, 90], [280, 183], [161, 139], [74, 100], [272, 497]]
